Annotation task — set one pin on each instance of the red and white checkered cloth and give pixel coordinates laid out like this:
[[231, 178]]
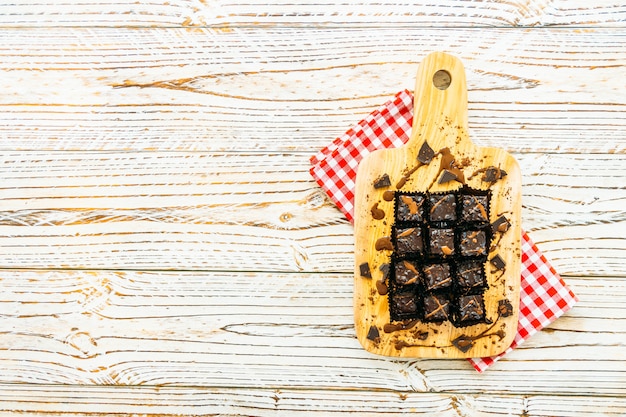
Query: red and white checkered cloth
[[544, 295]]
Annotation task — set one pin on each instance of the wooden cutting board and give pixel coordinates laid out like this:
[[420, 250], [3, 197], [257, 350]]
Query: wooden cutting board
[[439, 306]]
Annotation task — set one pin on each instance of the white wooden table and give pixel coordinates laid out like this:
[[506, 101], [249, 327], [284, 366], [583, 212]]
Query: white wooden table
[[163, 249]]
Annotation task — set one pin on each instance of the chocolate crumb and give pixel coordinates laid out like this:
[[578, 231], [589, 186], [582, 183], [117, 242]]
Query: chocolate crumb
[[426, 154], [382, 182], [373, 333], [364, 268], [498, 262]]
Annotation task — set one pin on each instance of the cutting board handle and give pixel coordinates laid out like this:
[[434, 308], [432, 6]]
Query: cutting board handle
[[436, 106]]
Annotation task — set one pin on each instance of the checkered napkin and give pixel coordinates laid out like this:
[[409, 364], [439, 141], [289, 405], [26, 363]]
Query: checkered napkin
[[544, 295]]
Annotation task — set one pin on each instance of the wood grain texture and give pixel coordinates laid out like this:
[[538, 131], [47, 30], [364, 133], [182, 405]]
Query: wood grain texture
[[46, 400], [125, 13], [296, 89], [154, 155], [271, 330], [260, 212]]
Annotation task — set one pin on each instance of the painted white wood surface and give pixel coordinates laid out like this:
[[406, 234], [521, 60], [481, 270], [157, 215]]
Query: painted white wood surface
[[163, 249], [294, 89]]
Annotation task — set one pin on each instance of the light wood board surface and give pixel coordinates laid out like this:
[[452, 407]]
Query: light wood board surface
[[164, 251], [439, 145]]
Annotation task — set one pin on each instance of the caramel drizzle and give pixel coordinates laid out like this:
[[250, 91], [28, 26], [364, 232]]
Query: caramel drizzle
[[480, 207], [411, 204], [384, 243], [389, 195], [407, 232], [434, 207], [407, 175], [394, 327], [410, 267], [440, 307], [377, 213]]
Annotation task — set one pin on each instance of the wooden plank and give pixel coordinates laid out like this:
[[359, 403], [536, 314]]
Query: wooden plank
[[165, 401], [260, 211], [255, 330], [295, 89], [31, 13]]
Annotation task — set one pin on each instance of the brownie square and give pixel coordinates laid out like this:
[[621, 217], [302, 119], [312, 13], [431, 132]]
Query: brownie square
[[437, 276], [442, 241], [436, 307], [409, 208], [442, 207], [404, 303], [470, 275], [473, 243], [474, 208], [471, 309], [409, 240], [406, 273]]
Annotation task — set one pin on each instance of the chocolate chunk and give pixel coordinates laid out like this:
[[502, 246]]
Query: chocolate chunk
[[409, 207], [373, 333], [498, 262], [442, 241], [425, 154], [473, 243], [470, 275], [470, 309], [448, 162], [382, 182], [505, 309], [474, 208], [406, 273], [442, 207], [404, 303], [463, 343], [436, 308], [409, 240], [383, 243], [446, 176], [364, 268], [437, 276], [384, 268], [501, 224]]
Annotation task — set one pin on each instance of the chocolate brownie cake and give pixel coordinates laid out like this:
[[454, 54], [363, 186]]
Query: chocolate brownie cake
[[440, 247]]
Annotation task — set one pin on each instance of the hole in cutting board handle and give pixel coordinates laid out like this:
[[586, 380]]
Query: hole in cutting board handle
[[442, 79]]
